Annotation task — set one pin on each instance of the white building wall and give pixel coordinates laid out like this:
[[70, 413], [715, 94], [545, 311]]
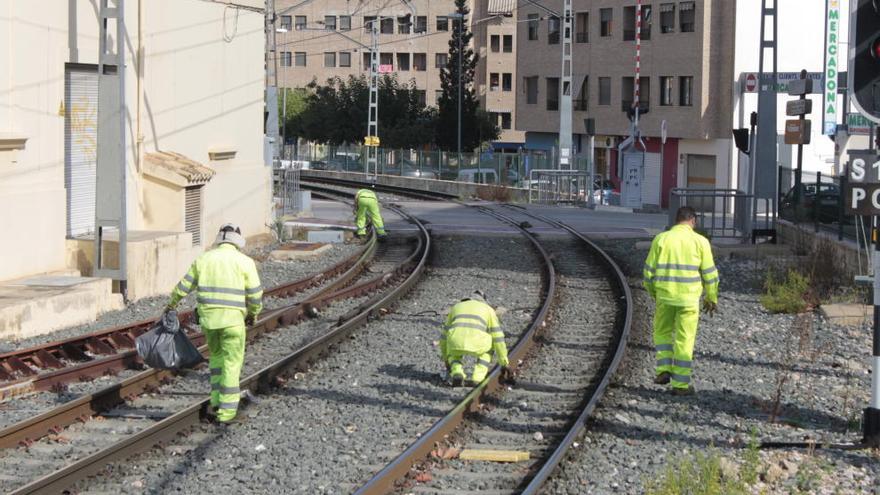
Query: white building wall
[[203, 88]]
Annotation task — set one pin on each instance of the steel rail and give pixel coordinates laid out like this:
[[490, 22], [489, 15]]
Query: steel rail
[[123, 336], [399, 190], [265, 378], [384, 481]]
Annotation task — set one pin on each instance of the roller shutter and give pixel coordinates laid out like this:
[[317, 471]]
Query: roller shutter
[[193, 213], [80, 147]]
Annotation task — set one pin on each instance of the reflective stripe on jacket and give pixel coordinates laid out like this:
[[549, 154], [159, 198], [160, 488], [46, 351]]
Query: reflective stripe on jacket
[[679, 266], [365, 194], [228, 286], [473, 327]]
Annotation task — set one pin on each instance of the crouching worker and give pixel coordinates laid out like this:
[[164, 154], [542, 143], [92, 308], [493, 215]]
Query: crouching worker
[[472, 329], [367, 205], [229, 298]]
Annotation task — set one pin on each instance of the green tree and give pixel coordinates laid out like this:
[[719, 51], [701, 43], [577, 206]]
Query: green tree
[[296, 100], [336, 113], [476, 126]]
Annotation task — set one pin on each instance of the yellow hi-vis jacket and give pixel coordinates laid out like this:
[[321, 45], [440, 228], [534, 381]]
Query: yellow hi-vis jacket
[[473, 327], [228, 285], [364, 194], [679, 266]]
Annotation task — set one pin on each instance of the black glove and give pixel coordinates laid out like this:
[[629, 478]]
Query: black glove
[[169, 307], [709, 307], [506, 375], [249, 320]]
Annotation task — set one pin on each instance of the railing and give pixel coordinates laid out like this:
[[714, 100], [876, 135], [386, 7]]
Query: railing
[[721, 213], [559, 187], [819, 201], [288, 199]]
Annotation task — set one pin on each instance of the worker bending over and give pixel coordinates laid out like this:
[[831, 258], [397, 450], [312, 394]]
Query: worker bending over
[[678, 268], [472, 329], [229, 297], [366, 204]]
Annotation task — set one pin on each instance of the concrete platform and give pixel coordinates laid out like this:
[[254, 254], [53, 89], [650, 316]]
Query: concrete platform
[[41, 304], [851, 315]]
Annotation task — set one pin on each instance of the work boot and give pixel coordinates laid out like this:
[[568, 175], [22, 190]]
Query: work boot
[[681, 392], [470, 383], [457, 380], [211, 414], [382, 237], [248, 397], [662, 378]]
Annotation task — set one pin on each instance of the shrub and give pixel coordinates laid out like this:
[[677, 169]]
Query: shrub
[[791, 295], [499, 194], [699, 474]]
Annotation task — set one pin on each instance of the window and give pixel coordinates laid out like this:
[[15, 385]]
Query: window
[[533, 27], [493, 81], [286, 58], [505, 120], [604, 90], [647, 20], [582, 23], [495, 43], [508, 43], [345, 59], [553, 26], [345, 23], [506, 81], [644, 92], [329, 59], [300, 59], [403, 25], [192, 215], [421, 24], [330, 22], [629, 23], [420, 62], [665, 91], [686, 91], [667, 17], [368, 22], [403, 61], [627, 92], [605, 18], [299, 22], [421, 96], [367, 61], [530, 85], [582, 99], [386, 59], [442, 23], [438, 93], [687, 16], [440, 60], [286, 22], [552, 93], [386, 25]]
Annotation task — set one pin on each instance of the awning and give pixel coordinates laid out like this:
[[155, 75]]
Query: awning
[[176, 168], [501, 7]]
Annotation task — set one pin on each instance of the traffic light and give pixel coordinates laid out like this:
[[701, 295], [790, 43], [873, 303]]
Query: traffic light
[[864, 63], [741, 138]]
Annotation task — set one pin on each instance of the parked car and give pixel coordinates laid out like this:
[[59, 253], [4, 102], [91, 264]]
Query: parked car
[[826, 204], [477, 175]]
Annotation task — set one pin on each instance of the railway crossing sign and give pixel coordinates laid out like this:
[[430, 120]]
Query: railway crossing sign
[[371, 141]]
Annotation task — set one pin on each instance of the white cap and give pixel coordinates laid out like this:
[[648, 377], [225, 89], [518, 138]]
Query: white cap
[[230, 234]]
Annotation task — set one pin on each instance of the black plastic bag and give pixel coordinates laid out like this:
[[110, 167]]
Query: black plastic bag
[[166, 346]]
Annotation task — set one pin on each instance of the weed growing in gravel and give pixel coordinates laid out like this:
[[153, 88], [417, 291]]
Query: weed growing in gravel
[[751, 466], [700, 474], [790, 295], [277, 228]]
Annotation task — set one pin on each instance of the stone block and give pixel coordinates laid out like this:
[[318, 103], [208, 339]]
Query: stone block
[[299, 251], [848, 314], [326, 236]]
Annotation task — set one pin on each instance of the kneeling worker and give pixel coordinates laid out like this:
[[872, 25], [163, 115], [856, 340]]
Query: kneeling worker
[[472, 329], [366, 204], [230, 297]]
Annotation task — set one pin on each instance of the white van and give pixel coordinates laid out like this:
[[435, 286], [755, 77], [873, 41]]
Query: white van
[[478, 175]]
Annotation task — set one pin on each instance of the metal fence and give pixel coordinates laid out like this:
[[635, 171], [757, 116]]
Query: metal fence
[[818, 202], [509, 169], [721, 213], [288, 199], [552, 186]]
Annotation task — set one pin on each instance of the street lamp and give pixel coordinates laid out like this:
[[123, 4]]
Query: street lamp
[[460, 17]]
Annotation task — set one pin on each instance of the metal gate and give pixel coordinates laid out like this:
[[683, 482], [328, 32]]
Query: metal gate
[[80, 146], [550, 186], [287, 191]]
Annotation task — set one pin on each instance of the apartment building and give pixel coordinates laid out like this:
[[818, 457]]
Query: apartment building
[[330, 38], [686, 81], [494, 27]]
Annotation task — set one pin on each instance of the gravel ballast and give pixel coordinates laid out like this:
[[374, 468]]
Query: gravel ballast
[[744, 359], [336, 425]]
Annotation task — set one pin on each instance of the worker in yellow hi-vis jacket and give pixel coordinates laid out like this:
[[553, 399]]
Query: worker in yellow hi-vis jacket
[[472, 329], [367, 204], [229, 298], [678, 268]]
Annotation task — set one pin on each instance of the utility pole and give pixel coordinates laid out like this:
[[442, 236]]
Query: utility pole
[[458, 92], [372, 140], [271, 80], [565, 102]]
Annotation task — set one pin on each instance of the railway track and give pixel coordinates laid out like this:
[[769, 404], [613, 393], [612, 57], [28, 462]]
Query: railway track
[[569, 357], [51, 365], [81, 437]]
